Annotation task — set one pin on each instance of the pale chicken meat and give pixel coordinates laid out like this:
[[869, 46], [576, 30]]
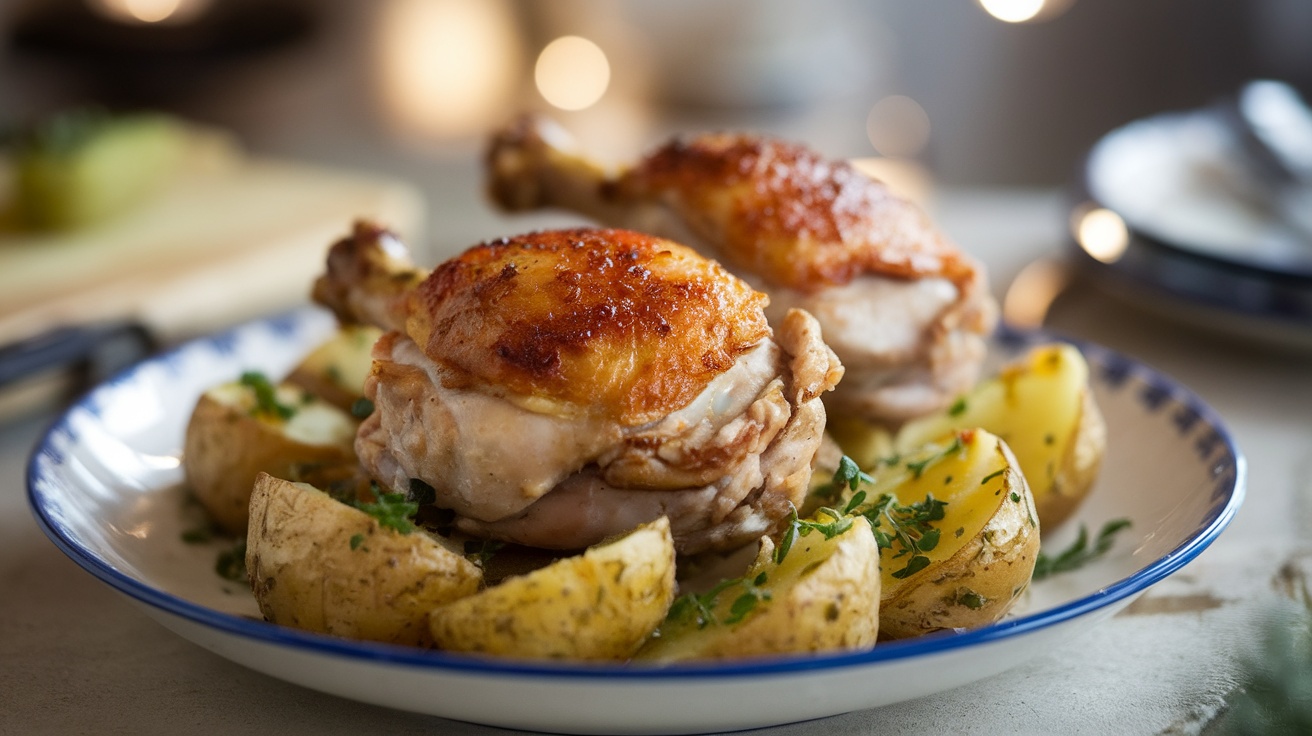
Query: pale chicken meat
[[905, 310], [561, 387]]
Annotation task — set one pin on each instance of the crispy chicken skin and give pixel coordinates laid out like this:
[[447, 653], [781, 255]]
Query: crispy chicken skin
[[561, 387], [904, 309]]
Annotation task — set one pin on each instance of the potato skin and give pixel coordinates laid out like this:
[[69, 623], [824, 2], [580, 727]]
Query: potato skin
[[317, 564], [599, 605], [977, 577], [823, 597], [226, 446]]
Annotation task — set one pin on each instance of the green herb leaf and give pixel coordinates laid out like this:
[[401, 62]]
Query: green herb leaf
[[231, 564], [482, 550], [958, 407], [361, 408], [266, 398], [1079, 553], [392, 510], [356, 541]]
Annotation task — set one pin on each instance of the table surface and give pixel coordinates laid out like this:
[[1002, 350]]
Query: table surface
[[76, 656]]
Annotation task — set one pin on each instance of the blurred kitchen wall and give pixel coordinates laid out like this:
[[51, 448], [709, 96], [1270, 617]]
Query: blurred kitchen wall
[[974, 99]]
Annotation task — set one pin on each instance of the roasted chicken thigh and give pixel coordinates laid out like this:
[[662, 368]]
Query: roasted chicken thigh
[[904, 309], [561, 387]]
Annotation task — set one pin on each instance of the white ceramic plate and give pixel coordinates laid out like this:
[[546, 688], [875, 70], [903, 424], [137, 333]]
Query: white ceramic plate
[[105, 486], [1201, 246]]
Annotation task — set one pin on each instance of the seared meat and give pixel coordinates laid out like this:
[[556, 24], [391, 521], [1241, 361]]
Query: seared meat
[[904, 309], [561, 387]]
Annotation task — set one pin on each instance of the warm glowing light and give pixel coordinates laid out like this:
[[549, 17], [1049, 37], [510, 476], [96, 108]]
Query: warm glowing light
[[898, 126], [1032, 293], [150, 11], [1101, 233], [572, 73], [447, 67], [1013, 11]]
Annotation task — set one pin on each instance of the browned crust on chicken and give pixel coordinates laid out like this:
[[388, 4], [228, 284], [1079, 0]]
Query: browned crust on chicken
[[789, 215], [613, 322], [369, 278]]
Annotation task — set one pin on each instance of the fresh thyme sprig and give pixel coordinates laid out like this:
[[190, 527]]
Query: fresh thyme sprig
[[392, 510], [908, 527], [481, 551], [1079, 553], [701, 606]]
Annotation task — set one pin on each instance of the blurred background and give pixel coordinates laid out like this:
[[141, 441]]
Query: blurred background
[[934, 97]]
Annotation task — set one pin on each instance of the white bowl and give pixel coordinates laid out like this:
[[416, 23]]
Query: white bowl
[[105, 484]]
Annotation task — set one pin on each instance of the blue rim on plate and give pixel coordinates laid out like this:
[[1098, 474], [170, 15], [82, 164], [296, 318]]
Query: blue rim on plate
[[1157, 392]]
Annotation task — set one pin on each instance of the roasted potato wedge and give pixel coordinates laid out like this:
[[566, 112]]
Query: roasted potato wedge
[[1041, 405], [599, 605], [336, 369], [317, 564], [969, 492], [823, 596], [233, 435]]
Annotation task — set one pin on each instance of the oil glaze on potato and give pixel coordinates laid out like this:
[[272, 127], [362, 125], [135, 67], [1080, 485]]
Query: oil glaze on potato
[[989, 537], [229, 441], [823, 597], [317, 564], [1043, 407], [599, 605]]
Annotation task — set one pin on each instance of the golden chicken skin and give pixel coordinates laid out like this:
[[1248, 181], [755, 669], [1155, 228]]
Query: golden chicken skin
[[561, 387], [905, 310]]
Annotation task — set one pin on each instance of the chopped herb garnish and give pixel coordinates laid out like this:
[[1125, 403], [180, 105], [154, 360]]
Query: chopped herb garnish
[[1015, 497], [391, 510], [992, 475], [361, 408], [356, 541], [972, 600], [958, 407], [266, 398], [701, 606], [918, 467], [231, 564], [841, 522], [199, 535], [1079, 553], [906, 527], [480, 551]]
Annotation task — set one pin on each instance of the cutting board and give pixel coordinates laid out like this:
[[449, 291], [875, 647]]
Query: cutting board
[[231, 237]]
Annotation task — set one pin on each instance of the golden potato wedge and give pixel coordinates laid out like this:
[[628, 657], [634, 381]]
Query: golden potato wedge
[[968, 492], [599, 605], [823, 596], [231, 437], [335, 370], [317, 564], [1042, 406]]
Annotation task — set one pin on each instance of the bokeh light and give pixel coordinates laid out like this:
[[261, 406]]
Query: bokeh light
[[898, 126], [1012, 11], [572, 73], [1100, 232], [447, 67], [150, 11]]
